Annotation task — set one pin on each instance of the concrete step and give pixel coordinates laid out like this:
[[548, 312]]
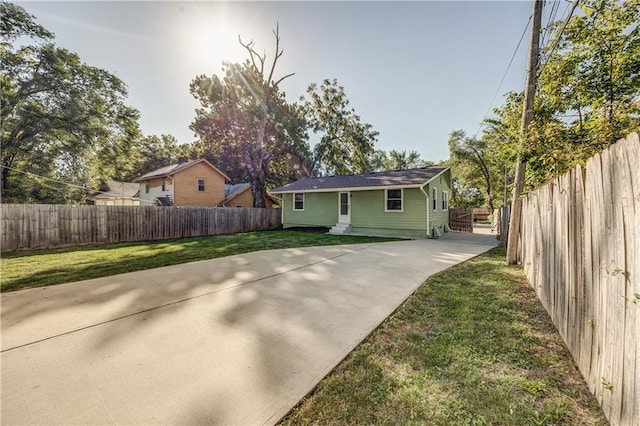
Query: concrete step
[[340, 228]]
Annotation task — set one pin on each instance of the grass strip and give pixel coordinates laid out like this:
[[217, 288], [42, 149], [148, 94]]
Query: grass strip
[[473, 346], [38, 268]]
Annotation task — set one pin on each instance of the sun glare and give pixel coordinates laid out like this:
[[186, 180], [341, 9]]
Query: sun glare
[[211, 40]]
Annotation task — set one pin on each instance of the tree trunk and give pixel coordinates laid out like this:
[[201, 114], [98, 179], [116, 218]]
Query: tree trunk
[[258, 190], [5, 185]]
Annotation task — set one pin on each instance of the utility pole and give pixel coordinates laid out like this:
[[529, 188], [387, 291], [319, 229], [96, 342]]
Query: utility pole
[[527, 113]]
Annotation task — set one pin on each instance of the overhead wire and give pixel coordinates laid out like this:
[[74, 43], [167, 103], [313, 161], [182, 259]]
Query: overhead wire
[[46, 178], [495, 95], [558, 37]]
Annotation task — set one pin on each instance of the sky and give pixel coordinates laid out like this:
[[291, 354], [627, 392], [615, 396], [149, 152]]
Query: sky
[[416, 71]]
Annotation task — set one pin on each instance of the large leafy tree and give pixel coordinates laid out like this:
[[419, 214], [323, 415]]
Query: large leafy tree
[[156, 152], [591, 78], [403, 160], [61, 119], [474, 170], [346, 144], [246, 124], [588, 95]]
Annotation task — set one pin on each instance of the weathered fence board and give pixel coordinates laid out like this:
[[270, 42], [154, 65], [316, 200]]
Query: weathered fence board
[[461, 220], [580, 241], [28, 226]]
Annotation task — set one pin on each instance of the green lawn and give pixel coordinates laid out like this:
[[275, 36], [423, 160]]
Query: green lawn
[[473, 346], [54, 266]]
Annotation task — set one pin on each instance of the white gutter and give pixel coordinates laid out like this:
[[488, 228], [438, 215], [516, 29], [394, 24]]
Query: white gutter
[[427, 206], [282, 213]]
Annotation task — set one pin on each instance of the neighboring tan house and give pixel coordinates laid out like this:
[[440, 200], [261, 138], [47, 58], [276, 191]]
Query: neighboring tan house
[[241, 195], [481, 214], [411, 203], [187, 183], [114, 193]]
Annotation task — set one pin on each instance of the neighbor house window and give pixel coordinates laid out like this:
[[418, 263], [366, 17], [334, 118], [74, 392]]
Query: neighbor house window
[[445, 200], [146, 187], [298, 201], [393, 200], [434, 198], [164, 184], [200, 184]]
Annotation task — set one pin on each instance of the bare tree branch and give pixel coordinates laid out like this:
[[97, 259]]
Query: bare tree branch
[[286, 76], [278, 53]]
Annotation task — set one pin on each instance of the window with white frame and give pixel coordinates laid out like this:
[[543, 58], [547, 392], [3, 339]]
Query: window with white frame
[[445, 200], [298, 201], [434, 198], [200, 184], [393, 200]]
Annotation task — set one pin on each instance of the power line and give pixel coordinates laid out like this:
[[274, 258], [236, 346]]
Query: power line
[[559, 36], [57, 181], [555, 6], [486, 114]]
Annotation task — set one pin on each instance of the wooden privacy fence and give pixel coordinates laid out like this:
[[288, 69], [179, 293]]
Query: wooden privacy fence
[[28, 226], [461, 220], [580, 240]]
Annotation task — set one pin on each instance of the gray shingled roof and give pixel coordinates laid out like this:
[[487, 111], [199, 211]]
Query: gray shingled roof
[[169, 170], [164, 171], [231, 191], [115, 189], [396, 178]]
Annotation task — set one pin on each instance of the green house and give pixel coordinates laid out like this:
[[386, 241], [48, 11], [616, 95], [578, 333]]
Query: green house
[[413, 203]]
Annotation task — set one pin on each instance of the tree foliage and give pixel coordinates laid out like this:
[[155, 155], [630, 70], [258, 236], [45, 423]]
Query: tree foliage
[[588, 96], [245, 123], [346, 144], [61, 118], [476, 173], [381, 160]]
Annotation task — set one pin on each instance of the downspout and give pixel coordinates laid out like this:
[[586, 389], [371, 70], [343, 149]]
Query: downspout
[[282, 211], [173, 190], [427, 207]]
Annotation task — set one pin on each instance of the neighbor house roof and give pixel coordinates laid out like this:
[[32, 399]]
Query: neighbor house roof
[[396, 178], [113, 189], [232, 191], [174, 168]]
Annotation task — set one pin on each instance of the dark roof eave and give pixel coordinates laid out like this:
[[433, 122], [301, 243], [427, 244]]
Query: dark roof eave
[[351, 188], [284, 190]]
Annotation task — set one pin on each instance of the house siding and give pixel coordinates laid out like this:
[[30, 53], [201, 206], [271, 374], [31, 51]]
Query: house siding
[[368, 213], [155, 190], [115, 202], [245, 199], [320, 209], [439, 218], [185, 184]]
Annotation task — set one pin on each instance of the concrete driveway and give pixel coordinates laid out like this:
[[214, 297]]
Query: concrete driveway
[[237, 340]]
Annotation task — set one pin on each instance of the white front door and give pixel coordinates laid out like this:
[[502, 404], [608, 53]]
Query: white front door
[[344, 207]]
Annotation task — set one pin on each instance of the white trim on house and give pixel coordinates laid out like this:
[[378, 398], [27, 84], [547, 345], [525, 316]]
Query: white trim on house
[[294, 202], [427, 201], [386, 198], [445, 200], [434, 200], [345, 219]]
